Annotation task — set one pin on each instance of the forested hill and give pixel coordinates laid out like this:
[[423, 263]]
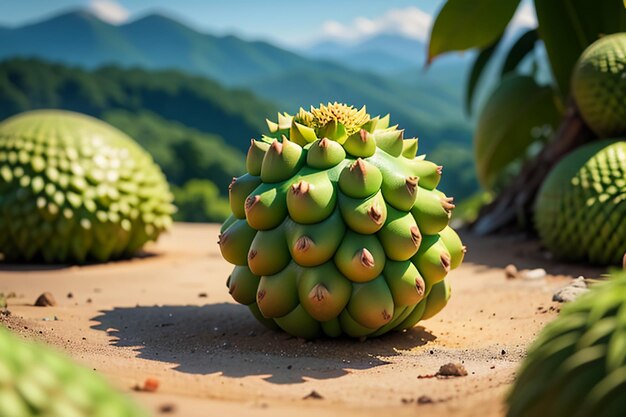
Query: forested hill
[[234, 114]]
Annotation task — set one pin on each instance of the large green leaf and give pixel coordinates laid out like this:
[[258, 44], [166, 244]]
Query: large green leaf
[[465, 24], [567, 27], [519, 50], [477, 69], [518, 114]]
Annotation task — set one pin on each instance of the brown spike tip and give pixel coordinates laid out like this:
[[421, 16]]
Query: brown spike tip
[[277, 146], [416, 236], [363, 133], [222, 238], [303, 244], [366, 258], [301, 187], [445, 261], [319, 293], [359, 166], [232, 183], [324, 143], [252, 254], [251, 201], [386, 315], [440, 169], [375, 214], [420, 285], [464, 250], [446, 203], [411, 184]]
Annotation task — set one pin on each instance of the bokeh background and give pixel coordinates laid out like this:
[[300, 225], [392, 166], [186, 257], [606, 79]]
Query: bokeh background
[[192, 81]]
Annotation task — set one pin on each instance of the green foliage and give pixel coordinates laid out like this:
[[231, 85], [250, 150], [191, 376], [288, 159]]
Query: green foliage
[[518, 114], [463, 24], [522, 47], [235, 115], [200, 201], [477, 69], [567, 27], [183, 153]]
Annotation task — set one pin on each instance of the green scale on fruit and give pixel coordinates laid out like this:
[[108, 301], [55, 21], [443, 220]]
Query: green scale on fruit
[[75, 189], [580, 212], [338, 228], [36, 381]]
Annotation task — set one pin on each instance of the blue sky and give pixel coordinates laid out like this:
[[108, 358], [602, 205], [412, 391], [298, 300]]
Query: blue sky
[[286, 22]]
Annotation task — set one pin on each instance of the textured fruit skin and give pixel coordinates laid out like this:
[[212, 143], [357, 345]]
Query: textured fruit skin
[[580, 211], [335, 247], [75, 189], [599, 85], [36, 381], [577, 365]]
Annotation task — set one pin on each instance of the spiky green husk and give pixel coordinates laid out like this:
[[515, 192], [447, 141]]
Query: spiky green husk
[[332, 238], [75, 189], [599, 85], [580, 212], [35, 381], [577, 365]]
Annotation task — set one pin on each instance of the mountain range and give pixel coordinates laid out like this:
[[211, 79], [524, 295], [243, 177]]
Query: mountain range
[[382, 73]]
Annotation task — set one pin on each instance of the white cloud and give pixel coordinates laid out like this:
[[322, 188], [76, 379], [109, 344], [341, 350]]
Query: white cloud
[[524, 17], [109, 10], [410, 22]]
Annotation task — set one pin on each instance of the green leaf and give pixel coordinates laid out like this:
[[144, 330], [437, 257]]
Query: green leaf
[[567, 27], [465, 24], [519, 50], [479, 65], [518, 114]]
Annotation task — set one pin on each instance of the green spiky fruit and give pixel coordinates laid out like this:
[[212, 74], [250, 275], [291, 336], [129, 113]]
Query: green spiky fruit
[[36, 381], [75, 189], [577, 365], [342, 230], [580, 211], [599, 85]]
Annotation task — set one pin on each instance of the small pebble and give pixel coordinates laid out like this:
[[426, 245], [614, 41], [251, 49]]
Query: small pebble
[[571, 292], [45, 300], [452, 370], [532, 274], [425, 399], [167, 408], [149, 385], [511, 272], [313, 395], [203, 295]]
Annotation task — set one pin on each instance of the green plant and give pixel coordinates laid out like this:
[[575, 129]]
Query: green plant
[[565, 29], [36, 381], [577, 365], [338, 227], [73, 189], [581, 206], [599, 85], [199, 201]]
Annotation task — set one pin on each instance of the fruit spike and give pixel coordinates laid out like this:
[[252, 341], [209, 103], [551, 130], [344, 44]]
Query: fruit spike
[[325, 153], [360, 144], [347, 232]]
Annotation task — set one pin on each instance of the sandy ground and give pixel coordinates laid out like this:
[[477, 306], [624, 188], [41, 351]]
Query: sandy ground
[[169, 316]]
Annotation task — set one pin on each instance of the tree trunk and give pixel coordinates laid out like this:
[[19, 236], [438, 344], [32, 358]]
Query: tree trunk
[[513, 207]]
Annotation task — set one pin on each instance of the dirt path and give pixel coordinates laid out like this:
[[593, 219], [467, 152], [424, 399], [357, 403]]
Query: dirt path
[[169, 316]]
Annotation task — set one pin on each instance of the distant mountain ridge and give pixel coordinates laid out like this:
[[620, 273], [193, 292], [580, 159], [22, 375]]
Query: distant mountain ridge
[[154, 41]]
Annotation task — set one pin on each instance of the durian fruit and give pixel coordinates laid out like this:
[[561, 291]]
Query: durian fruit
[[338, 228], [599, 85], [75, 189], [580, 211], [36, 381], [577, 365]]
